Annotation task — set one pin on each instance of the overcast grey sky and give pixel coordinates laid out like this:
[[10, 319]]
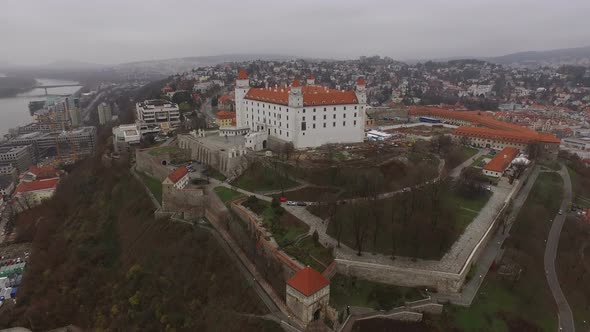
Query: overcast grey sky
[[115, 31]]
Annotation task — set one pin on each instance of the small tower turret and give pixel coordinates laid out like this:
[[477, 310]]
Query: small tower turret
[[310, 79], [242, 87], [296, 95], [361, 92]]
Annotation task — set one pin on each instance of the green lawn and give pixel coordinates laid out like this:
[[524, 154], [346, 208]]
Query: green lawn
[[468, 151], [351, 291], [226, 194], [466, 208], [505, 305], [163, 149], [477, 161], [213, 173], [310, 253], [260, 178], [580, 188], [153, 185]]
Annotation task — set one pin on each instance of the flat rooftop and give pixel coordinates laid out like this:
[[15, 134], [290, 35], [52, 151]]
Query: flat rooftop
[[215, 142]]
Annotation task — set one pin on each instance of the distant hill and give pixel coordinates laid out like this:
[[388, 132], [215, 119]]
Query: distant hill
[[565, 56], [179, 65]]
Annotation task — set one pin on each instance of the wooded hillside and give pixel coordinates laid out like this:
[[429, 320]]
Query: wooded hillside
[[101, 260]]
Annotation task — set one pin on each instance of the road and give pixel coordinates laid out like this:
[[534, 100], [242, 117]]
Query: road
[[566, 318]]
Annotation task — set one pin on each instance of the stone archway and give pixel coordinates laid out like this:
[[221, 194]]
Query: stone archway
[[317, 314]]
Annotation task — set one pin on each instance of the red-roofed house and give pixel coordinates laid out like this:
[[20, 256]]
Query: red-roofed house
[[500, 162], [178, 178], [34, 192], [225, 118], [308, 295]]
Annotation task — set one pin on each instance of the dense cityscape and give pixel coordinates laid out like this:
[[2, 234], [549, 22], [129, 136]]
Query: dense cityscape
[[286, 193]]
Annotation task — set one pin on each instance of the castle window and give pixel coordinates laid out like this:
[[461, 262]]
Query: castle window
[[345, 108], [355, 122], [343, 123], [324, 125], [333, 124], [314, 126], [344, 115], [334, 116]]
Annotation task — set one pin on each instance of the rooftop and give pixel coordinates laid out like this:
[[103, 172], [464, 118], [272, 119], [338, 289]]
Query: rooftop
[[308, 281], [37, 185], [312, 95], [178, 174], [222, 115], [502, 160]]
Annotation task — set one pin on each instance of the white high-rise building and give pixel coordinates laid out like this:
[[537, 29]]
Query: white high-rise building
[[158, 113], [104, 113], [307, 116]]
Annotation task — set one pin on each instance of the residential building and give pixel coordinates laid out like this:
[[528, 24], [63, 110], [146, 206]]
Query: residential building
[[9, 170], [104, 113], [19, 156], [158, 113], [125, 137], [307, 116], [178, 178], [225, 118], [308, 295], [582, 144], [500, 163]]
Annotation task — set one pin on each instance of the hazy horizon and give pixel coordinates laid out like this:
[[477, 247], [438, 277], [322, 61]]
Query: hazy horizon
[[112, 32]]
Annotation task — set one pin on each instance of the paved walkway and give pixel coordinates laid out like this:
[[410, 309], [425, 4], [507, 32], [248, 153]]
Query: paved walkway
[[455, 172], [566, 318]]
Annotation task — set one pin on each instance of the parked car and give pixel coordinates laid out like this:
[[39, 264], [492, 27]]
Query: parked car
[[407, 189], [291, 203], [301, 204], [282, 199], [560, 212]]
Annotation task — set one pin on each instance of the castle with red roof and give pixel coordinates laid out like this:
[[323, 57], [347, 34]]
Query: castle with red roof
[[307, 115]]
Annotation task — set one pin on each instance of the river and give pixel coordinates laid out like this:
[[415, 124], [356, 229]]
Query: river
[[14, 111]]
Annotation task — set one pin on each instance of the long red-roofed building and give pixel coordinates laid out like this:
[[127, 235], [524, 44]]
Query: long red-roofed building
[[308, 294], [307, 115], [480, 129]]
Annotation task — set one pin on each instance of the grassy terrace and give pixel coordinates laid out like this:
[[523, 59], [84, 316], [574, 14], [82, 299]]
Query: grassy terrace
[[310, 253], [285, 229], [525, 304], [261, 178], [153, 185], [363, 293], [284, 226], [226, 194]]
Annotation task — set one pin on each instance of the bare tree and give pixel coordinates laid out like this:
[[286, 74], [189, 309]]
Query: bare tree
[[359, 225]]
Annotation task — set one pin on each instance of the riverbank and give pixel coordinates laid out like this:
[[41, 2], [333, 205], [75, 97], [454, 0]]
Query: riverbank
[[12, 86]]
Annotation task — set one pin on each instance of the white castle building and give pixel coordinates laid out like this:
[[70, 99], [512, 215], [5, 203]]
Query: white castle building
[[307, 116]]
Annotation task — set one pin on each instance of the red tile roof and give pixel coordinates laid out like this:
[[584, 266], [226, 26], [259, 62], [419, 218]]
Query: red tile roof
[[37, 185], [361, 81], [222, 115], [313, 95], [502, 129], [296, 83], [308, 281], [46, 172], [178, 174], [502, 160], [242, 75]]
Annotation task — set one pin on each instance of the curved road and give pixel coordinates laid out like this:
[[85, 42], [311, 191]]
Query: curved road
[[566, 318]]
